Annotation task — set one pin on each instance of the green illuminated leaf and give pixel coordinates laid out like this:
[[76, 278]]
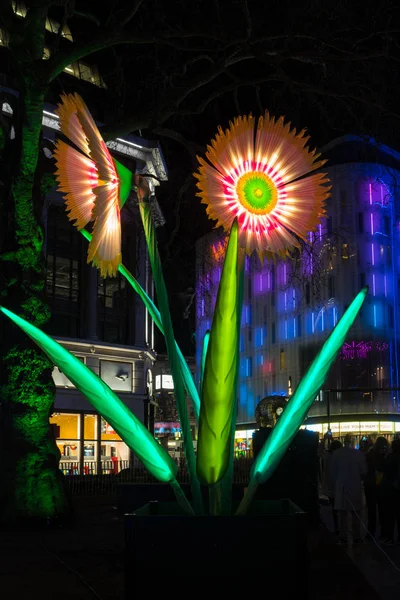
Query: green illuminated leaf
[[156, 460], [301, 401], [125, 181], [155, 315], [218, 393], [149, 230], [204, 355]]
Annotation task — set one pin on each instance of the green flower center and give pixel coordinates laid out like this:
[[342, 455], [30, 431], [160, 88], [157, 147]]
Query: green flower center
[[257, 193]]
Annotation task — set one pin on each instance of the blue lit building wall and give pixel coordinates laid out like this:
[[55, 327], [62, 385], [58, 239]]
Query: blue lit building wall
[[283, 325]]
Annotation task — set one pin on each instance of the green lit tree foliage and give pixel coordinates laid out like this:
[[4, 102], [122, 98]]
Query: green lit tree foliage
[[166, 66]]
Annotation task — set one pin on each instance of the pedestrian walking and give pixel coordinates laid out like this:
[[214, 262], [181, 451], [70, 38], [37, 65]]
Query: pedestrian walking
[[391, 493], [328, 485], [348, 469], [372, 484]]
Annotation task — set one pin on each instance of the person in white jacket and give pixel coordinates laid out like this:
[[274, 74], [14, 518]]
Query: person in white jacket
[[348, 469]]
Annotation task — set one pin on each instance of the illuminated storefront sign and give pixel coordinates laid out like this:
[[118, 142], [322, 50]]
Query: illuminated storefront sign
[[356, 427]]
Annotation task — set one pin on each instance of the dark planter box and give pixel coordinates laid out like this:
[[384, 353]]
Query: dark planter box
[[266, 547], [131, 496], [296, 476]]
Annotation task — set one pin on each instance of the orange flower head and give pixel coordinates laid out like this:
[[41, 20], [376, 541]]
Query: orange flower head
[[260, 173]]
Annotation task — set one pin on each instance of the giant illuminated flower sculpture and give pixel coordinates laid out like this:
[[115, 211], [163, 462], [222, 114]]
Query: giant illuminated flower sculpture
[[96, 185], [257, 185], [260, 175]]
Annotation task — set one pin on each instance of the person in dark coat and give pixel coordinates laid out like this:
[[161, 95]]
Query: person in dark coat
[[328, 485], [391, 491], [372, 485], [349, 467]]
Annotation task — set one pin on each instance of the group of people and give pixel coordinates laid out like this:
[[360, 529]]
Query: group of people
[[366, 478]]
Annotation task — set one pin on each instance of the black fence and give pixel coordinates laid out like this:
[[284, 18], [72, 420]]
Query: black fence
[[87, 482]]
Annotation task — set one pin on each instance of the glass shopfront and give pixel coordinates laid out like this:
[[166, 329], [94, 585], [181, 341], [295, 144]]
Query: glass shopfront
[[88, 445], [244, 443]]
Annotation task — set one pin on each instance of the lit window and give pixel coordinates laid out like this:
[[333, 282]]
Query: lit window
[[62, 277], [85, 72], [19, 8], [67, 430], [70, 69], [53, 27], [282, 360], [4, 39]]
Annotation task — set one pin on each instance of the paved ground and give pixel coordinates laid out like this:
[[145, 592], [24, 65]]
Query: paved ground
[[379, 564], [86, 562], [31, 566]]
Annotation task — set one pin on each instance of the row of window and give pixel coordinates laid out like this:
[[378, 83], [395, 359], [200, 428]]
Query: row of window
[[77, 69], [62, 281]]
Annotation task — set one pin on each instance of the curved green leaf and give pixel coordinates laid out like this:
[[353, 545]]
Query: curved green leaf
[[179, 391], [301, 401], [206, 341], [218, 393], [156, 460], [155, 315]]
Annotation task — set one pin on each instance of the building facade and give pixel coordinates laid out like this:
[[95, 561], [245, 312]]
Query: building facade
[[291, 306], [167, 427], [101, 321]]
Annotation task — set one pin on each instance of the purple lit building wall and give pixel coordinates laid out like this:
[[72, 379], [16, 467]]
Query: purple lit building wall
[[288, 313]]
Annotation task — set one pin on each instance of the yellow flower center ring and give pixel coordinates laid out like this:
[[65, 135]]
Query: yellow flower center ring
[[257, 193]]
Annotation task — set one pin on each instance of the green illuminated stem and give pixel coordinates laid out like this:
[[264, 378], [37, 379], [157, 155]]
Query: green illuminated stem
[[156, 460], [214, 497], [301, 401], [204, 355], [155, 315], [181, 498], [227, 482], [248, 497], [218, 393], [162, 296]]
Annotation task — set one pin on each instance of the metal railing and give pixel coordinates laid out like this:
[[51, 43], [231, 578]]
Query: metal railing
[[91, 483], [106, 467]]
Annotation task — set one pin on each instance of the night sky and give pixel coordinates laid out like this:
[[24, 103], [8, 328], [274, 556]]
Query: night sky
[[331, 67]]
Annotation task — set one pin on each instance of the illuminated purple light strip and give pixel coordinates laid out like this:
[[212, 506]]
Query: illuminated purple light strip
[[353, 350]]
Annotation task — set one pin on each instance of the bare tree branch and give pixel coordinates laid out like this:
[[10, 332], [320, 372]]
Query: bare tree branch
[[191, 147], [132, 13]]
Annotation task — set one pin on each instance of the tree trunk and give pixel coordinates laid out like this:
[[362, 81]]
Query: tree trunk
[[32, 485]]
